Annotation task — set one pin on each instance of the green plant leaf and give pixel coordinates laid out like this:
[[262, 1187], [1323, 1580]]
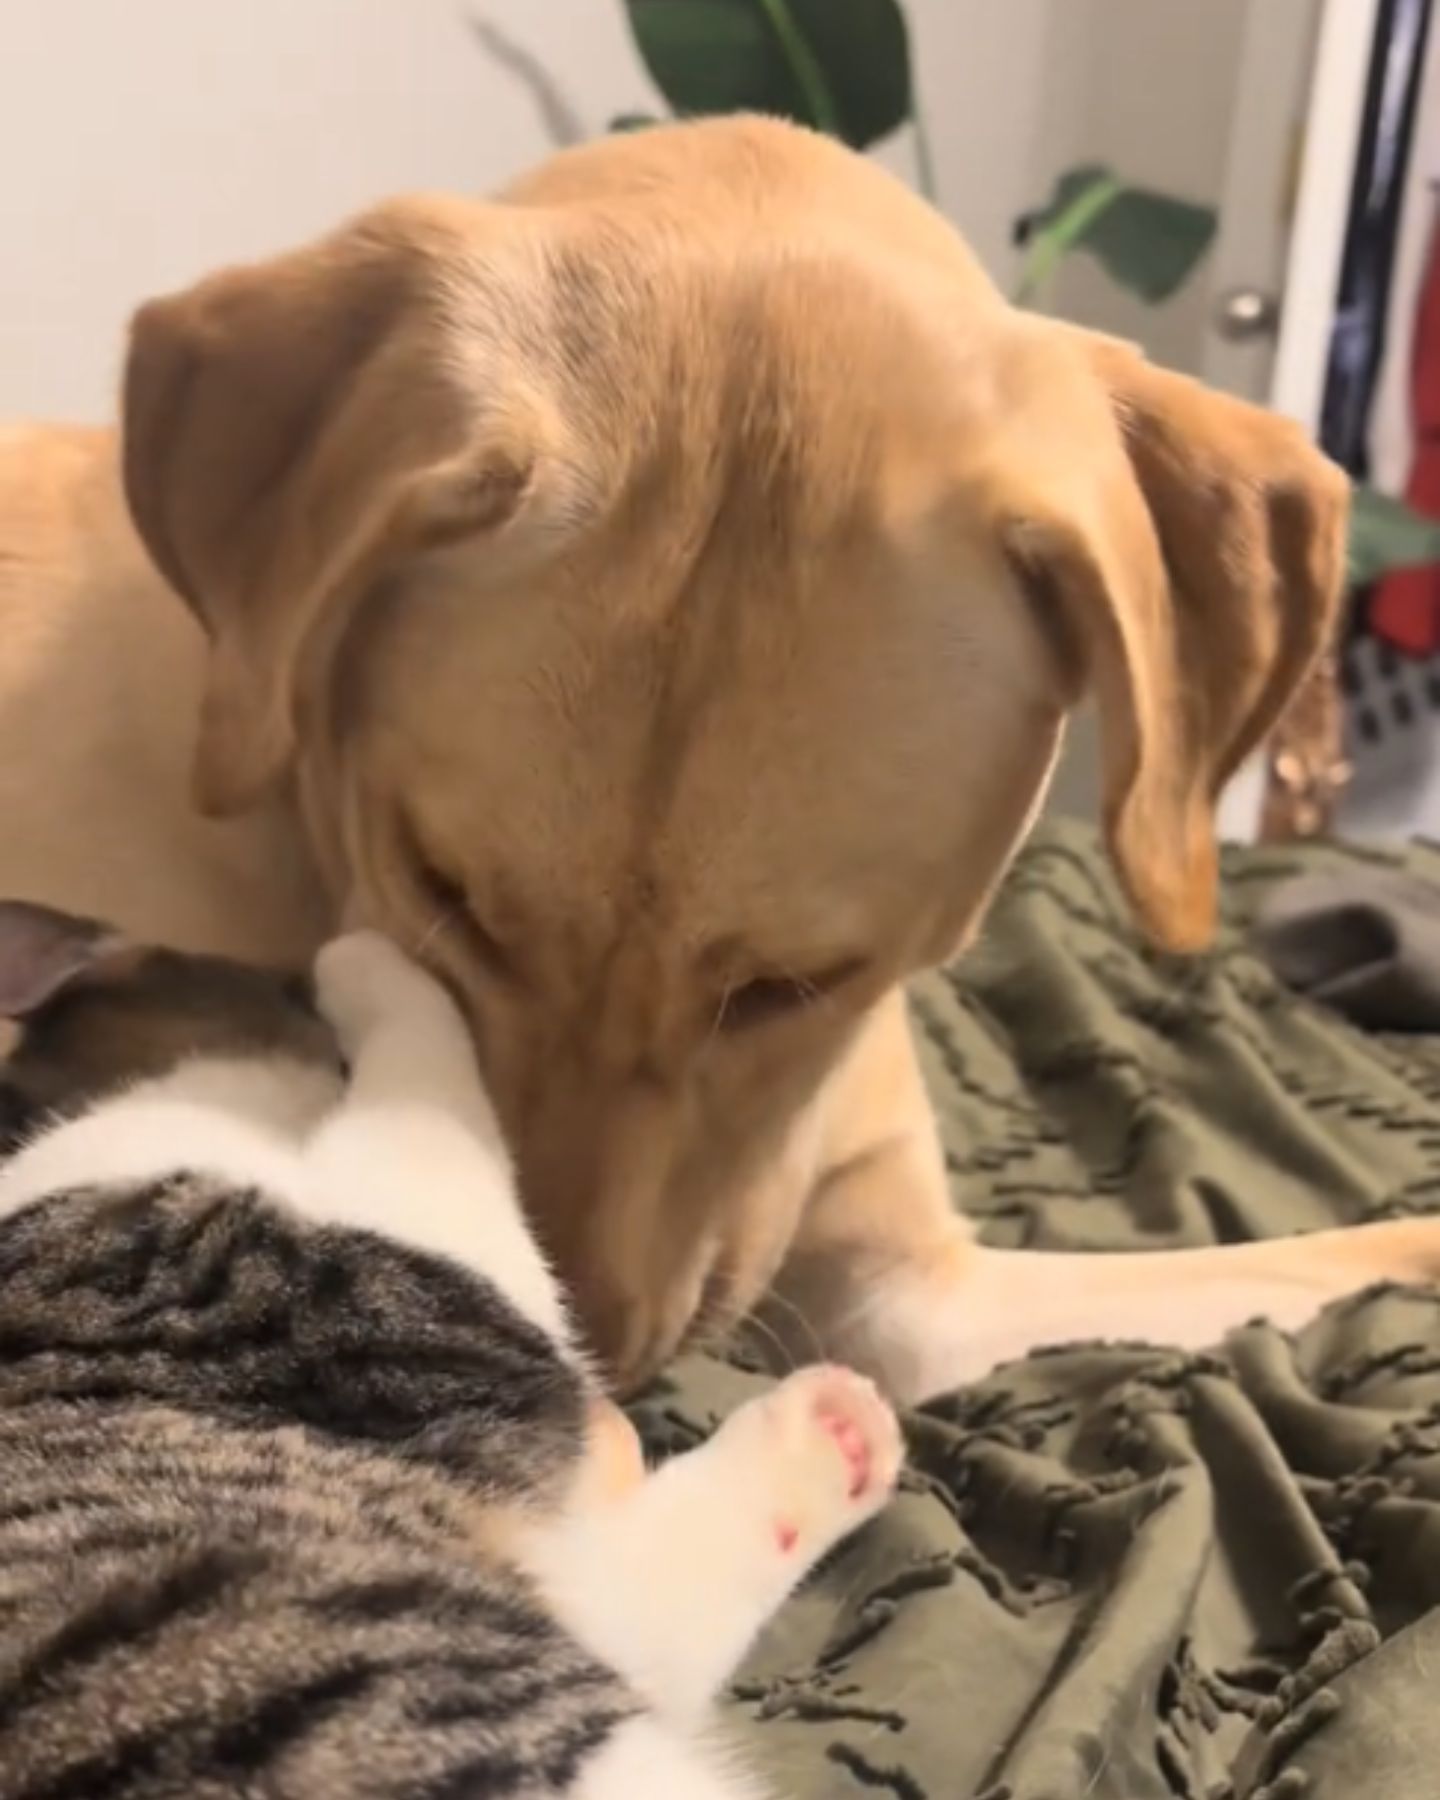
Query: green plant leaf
[[841, 66], [1387, 534], [1150, 243]]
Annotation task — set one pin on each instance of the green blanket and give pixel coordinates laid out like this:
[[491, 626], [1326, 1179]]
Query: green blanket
[[1117, 1573]]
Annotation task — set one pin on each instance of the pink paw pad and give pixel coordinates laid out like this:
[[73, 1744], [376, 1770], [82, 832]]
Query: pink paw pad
[[852, 1443]]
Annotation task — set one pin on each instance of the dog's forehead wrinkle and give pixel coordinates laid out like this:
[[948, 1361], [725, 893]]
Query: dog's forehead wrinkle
[[693, 330]]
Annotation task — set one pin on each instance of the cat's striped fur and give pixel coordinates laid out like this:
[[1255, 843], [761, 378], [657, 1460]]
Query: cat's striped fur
[[244, 1470], [297, 1484]]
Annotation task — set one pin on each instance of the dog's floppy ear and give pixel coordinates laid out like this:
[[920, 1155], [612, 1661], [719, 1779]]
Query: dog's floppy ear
[[291, 428], [1188, 549]]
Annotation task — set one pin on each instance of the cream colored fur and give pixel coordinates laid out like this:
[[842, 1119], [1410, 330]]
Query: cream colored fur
[[656, 596]]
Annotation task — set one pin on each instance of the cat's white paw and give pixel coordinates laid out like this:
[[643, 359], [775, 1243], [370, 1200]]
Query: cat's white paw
[[363, 980], [825, 1448]]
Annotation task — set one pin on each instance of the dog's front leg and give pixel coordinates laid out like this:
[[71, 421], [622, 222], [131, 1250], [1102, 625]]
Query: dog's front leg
[[881, 1273], [885, 1276]]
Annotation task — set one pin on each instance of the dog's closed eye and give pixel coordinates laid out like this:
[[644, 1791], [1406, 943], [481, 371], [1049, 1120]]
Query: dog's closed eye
[[453, 910], [767, 998]]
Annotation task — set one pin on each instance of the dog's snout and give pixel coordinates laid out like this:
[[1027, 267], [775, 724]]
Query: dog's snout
[[635, 1275], [635, 1330], [595, 1160]]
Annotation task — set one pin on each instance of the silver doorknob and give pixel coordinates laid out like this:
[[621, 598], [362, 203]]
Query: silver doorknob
[[1244, 314]]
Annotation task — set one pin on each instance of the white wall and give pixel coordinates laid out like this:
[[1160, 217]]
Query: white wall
[[143, 142], [981, 68]]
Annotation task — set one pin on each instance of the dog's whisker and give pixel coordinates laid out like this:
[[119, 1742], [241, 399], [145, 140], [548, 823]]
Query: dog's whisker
[[813, 1339], [441, 922], [785, 1360], [718, 1019]]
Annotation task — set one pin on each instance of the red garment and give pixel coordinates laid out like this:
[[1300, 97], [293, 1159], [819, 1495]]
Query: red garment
[[1405, 607]]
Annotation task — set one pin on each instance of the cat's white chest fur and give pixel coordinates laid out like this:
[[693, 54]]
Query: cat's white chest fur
[[241, 1122]]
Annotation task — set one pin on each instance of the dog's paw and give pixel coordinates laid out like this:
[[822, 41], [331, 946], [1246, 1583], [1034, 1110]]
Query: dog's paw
[[363, 981], [825, 1449]]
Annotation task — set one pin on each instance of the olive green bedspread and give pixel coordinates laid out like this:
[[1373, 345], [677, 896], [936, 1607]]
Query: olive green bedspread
[[1120, 1573]]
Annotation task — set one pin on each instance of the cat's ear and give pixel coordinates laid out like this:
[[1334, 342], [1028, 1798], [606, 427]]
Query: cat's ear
[[42, 950]]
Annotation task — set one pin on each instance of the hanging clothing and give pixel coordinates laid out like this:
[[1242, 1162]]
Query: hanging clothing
[[1358, 337], [1405, 606]]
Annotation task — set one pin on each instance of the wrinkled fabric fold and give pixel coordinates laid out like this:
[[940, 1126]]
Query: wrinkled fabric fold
[[1124, 1573]]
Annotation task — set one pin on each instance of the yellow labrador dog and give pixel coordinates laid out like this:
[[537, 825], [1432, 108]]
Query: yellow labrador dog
[[656, 596]]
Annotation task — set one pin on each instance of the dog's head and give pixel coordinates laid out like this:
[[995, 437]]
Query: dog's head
[[666, 587]]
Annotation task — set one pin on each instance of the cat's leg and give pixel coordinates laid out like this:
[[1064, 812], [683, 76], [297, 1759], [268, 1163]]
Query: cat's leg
[[413, 1150], [670, 1582]]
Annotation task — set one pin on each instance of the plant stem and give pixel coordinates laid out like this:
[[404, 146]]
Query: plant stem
[[1053, 242], [924, 155], [809, 76]]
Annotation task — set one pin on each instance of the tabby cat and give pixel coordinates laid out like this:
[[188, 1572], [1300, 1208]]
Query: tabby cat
[[306, 1489]]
